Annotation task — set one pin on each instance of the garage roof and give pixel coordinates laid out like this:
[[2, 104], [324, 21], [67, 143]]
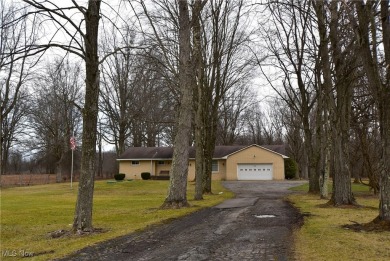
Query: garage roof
[[270, 148]]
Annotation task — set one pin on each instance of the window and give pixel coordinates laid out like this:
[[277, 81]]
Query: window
[[161, 162], [214, 166], [135, 162]]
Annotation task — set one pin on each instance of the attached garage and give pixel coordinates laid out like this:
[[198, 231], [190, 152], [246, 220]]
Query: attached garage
[[255, 171], [254, 163]]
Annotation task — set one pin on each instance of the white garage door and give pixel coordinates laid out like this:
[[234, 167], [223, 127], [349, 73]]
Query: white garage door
[[254, 171]]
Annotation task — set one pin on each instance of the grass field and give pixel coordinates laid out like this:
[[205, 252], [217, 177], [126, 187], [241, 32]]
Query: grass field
[[322, 236], [30, 214]]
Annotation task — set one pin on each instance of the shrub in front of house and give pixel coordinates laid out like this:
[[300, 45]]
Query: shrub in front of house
[[290, 168], [120, 176], [145, 175]]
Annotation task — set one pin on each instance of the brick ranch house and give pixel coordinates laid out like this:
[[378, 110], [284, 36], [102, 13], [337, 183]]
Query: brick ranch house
[[252, 162]]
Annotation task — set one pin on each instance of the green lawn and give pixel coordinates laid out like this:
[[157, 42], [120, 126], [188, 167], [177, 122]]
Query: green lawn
[[29, 214], [356, 188], [322, 236]]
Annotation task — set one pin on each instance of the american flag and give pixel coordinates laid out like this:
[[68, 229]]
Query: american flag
[[72, 143]]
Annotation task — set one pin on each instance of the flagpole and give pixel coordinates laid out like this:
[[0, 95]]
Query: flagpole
[[71, 170], [71, 173]]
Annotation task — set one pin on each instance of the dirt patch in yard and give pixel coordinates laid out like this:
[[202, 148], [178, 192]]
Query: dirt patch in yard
[[374, 226]]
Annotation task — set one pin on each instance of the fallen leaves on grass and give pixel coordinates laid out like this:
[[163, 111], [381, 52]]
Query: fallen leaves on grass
[[66, 233]]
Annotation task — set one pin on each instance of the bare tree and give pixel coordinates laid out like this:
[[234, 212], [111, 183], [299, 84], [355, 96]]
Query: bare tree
[[337, 64], [13, 129], [80, 25], [117, 95], [135, 100], [160, 28], [226, 68], [199, 99], [292, 48], [294, 139], [254, 121], [378, 76], [365, 138], [54, 117], [171, 26], [152, 101], [83, 213], [14, 72], [234, 105], [177, 191]]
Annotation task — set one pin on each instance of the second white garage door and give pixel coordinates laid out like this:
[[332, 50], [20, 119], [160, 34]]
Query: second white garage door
[[254, 171]]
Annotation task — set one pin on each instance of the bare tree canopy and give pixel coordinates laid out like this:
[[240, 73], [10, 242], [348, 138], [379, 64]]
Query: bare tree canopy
[[15, 68], [53, 116]]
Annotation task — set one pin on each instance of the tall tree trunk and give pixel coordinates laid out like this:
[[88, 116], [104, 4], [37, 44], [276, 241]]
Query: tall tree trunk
[[210, 135], [384, 181], [59, 168], [380, 90], [215, 92], [313, 163], [177, 191], [224, 37], [313, 147], [340, 114], [83, 213], [342, 190], [199, 100], [209, 152], [324, 88], [100, 155], [1, 142], [120, 142], [384, 110], [210, 120], [199, 165], [321, 137], [338, 99]]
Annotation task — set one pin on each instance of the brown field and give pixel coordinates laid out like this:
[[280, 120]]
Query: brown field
[[15, 180], [26, 179]]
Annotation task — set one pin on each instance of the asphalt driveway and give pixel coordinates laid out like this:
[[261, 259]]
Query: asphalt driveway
[[256, 225]]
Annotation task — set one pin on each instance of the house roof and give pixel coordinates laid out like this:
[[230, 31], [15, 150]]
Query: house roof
[[163, 153], [147, 153]]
